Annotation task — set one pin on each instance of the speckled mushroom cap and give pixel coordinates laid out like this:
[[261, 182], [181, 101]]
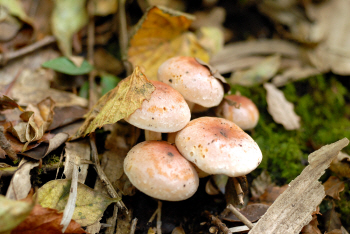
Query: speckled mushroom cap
[[246, 116], [160, 171], [218, 146], [166, 111], [193, 80]]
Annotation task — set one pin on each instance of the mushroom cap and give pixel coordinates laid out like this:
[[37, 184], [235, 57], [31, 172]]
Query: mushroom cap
[[193, 80], [158, 169], [218, 146], [246, 116], [166, 111]]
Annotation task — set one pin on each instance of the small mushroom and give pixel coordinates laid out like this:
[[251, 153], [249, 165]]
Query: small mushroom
[[193, 80], [218, 146], [166, 111], [240, 110], [158, 169]]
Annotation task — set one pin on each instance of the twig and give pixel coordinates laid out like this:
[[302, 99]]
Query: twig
[[5, 57], [101, 173], [112, 221], [159, 220], [133, 226], [217, 222], [123, 37], [239, 191], [240, 216], [6, 146], [9, 87]]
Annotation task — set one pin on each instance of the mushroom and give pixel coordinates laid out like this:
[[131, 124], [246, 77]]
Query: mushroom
[[218, 146], [193, 80], [240, 110], [158, 169], [166, 111]]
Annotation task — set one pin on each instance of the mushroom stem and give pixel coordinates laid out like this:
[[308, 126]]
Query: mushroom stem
[[159, 215], [190, 104], [240, 216], [153, 136], [239, 191], [171, 137]]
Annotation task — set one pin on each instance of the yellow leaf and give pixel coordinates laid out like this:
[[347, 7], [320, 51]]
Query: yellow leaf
[[162, 34], [118, 103]]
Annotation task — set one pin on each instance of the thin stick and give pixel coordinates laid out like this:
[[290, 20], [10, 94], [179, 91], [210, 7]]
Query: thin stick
[[6, 146], [112, 221], [239, 191], [123, 37], [133, 226], [101, 173], [5, 57], [240, 216], [153, 216], [159, 220], [217, 222]]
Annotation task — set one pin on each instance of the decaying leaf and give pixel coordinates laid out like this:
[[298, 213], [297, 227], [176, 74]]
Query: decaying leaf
[[258, 73], [252, 212], [312, 228], [260, 184], [105, 7], [37, 120], [8, 103], [118, 103], [331, 219], [333, 186], [20, 183], [67, 18], [15, 8], [45, 220], [341, 165], [271, 194], [304, 194], [12, 213], [281, 110], [90, 204], [162, 34]]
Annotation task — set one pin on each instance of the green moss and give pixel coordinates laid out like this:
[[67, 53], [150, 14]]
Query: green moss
[[51, 159], [321, 103], [343, 206]]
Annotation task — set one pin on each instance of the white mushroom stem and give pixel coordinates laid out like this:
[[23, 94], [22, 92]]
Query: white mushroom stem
[[239, 190], [190, 104], [153, 136], [159, 220]]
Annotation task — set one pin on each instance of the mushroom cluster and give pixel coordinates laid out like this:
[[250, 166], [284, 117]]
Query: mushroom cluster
[[205, 145]]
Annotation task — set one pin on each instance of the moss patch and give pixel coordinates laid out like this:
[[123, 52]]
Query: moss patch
[[321, 103]]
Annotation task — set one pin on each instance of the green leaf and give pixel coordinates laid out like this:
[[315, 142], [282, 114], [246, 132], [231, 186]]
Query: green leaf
[[89, 206], [118, 103], [64, 65], [108, 82], [12, 213]]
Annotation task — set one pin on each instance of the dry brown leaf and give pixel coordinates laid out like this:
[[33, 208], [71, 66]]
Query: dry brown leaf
[[311, 228], [257, 74], [118, 103], [333, 186], [260, 184], [304, 194], [45, 220], [252, 212], [294, 73], [8, 103], [37, 120], [281, 110], [331, 220], [162, 33], [341, 165], [271, 194], [20, 183]]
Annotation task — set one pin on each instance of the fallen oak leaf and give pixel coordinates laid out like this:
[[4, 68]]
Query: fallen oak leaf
[[162, 33], [118, 103], [341, 165]]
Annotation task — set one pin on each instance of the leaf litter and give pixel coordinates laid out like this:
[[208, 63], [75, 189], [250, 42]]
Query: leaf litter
[[251, 63]]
